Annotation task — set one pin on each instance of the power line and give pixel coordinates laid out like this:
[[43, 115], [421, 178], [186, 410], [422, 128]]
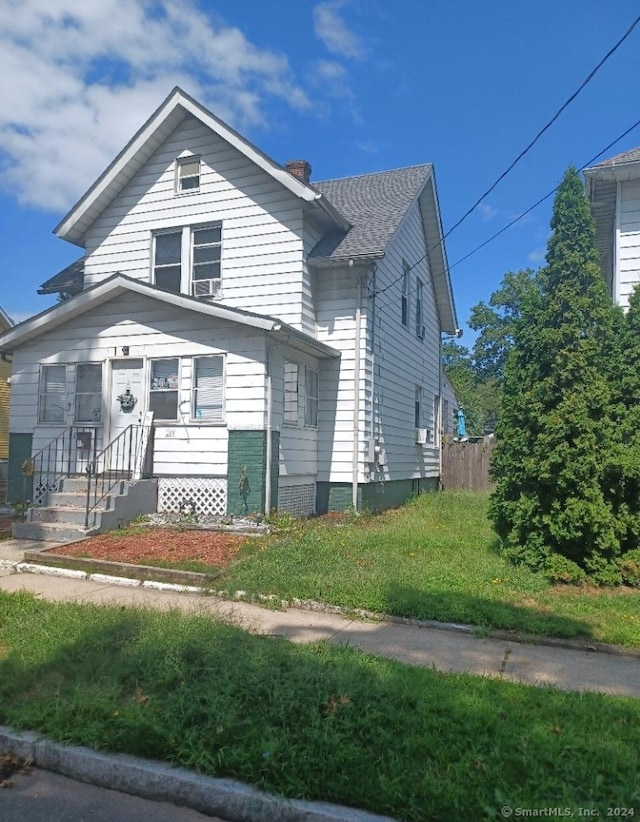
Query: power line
[[585, 82], [542, 199], [547, 126], [514, 221]]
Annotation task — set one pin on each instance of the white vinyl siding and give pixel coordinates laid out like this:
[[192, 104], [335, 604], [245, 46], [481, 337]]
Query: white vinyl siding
[[628, 231], [264, 235], [52, 396], [208, 389], [152, 330]]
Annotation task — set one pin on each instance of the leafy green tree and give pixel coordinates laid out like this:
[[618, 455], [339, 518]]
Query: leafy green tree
[[496, 322], [557, 501], [480, 399]]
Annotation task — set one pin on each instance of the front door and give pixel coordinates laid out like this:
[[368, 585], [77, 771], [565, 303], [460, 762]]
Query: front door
[[127, 395]]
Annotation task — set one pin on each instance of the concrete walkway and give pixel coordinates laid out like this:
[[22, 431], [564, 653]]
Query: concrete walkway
[[445, 650]]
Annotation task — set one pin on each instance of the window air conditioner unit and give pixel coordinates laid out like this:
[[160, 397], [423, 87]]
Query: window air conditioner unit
[[206, 288], [421, 436]]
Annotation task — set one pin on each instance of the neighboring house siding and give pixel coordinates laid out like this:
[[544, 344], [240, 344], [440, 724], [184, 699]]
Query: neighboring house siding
[[628, 262], [153, 330], [262, 225], [5, 373], [336, 322], [402, 361]]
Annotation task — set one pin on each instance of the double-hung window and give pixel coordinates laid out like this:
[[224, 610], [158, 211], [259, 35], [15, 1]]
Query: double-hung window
[[56, 397], [419, 309], [311, 397], [188, 174], [52, 396], [188, 260], [206, 246], [404, 298], [167, 261], [207, 391], [163, 390], [417, 407], [291, 393], [88, 399]]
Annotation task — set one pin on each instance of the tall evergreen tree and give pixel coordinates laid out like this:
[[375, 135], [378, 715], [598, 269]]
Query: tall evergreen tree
[[559, 435]]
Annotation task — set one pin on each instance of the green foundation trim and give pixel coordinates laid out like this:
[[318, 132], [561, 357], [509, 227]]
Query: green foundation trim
[[337, 496], [19, 487]]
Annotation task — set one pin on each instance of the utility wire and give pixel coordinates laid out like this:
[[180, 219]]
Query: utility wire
[[542, 199], [548, 125], [513, 222]]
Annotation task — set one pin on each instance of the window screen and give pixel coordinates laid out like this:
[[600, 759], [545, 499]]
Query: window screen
[[52, 399], [208, 388], [163, 396]]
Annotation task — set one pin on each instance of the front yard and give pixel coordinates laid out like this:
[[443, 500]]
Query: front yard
[[313, 721], [435, 558]]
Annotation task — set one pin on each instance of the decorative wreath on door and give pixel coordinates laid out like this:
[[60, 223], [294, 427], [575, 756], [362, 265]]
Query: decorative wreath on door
[[127, 401]]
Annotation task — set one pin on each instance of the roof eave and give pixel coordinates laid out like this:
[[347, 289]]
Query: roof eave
[[73, 226]]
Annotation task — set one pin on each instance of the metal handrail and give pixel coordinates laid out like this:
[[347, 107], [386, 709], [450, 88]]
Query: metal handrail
[[63, 456], [116, 462]]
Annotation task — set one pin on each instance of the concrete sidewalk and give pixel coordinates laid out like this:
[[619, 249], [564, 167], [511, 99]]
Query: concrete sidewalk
[[448, 650]]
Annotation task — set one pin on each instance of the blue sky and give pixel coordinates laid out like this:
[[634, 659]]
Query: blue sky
[[354, 86]]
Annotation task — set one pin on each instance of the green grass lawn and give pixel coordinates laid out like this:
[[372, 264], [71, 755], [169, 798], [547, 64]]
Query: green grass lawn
[[435, 558], [314, 721]]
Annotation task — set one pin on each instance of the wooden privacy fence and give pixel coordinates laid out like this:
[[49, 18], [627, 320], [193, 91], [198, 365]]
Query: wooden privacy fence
[[466, 464]]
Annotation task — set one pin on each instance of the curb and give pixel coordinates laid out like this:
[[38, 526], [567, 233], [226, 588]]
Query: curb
[[586, 645], [228, 798]]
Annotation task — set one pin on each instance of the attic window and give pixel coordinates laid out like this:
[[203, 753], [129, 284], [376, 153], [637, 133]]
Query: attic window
[[187, 174]]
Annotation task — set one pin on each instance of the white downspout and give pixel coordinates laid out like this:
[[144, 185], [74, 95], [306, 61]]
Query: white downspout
[[356, 397], [268, 423]]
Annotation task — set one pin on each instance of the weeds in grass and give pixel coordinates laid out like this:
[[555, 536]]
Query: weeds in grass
[[435, 558]]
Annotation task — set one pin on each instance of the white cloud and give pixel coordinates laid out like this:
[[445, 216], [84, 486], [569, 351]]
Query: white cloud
[[79, 77], [488, 212], [538, 255], [333, 31], [333, 77]]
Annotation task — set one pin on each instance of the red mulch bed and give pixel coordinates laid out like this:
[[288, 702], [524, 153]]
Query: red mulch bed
[[5, 525], [166, 544]]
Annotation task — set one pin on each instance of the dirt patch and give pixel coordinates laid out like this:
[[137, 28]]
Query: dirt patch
[[9, 766], [159, 544]]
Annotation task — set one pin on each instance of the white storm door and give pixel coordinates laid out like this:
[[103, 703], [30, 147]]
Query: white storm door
[[127, 395]]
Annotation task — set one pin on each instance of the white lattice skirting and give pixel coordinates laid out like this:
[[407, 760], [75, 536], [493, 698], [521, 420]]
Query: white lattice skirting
[[298, 500], [208, 495]]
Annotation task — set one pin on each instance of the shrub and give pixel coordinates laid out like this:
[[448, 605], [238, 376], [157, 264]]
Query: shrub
[[630, 568], [561, 569]]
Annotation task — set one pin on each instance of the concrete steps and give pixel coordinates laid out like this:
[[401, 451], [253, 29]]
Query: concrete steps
[[62, 518]]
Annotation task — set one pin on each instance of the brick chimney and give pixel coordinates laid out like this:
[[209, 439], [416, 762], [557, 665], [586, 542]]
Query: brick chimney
[[300, 169]]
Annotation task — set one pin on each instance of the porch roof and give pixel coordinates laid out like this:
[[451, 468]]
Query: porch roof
[[119, 284]]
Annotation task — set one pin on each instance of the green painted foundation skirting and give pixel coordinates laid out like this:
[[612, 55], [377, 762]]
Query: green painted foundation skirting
[[19, 487], [247, 459], [337, 496]]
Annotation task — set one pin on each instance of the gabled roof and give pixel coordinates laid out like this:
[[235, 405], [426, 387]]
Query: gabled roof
[[148, 139], [69, 280], [119, 284], [632, 156], [374, 204]]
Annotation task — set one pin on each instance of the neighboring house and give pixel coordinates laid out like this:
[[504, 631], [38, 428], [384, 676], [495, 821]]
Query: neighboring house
[[613, 190], [5, 372], [284, 334]]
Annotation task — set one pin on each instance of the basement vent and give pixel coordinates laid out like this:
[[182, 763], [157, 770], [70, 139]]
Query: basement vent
[[298, 500]]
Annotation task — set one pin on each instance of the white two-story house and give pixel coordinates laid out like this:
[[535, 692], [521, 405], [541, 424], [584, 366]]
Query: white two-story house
[[613, 190], [280, 336]]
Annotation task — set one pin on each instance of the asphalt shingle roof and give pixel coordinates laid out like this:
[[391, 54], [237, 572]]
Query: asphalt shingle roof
[[69, 279], [374, 204], [632, 156]]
